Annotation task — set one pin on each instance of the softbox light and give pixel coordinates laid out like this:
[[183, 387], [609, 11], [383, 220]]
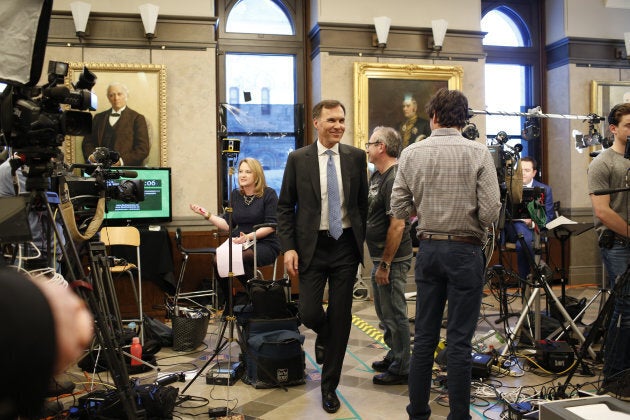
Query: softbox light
[[24, 34]]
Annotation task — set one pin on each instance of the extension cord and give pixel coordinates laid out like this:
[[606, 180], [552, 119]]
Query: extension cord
[[503, 371]]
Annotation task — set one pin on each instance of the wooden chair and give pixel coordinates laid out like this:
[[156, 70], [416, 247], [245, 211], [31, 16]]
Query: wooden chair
[[127, 236]]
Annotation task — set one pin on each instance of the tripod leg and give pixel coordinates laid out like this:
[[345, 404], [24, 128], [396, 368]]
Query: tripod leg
[[519, 323], [221, 344], [567, 317]]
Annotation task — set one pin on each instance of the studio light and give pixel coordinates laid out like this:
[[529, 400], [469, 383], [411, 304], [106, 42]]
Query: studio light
[[381, 24], [626, 38], [439, 32]]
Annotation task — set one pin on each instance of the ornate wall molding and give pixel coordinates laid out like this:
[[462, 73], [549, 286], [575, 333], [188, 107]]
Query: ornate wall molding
[[587, 52], [124, 31], [354, 39]]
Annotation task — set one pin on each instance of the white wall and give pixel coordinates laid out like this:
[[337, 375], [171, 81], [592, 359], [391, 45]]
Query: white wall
[[585, 18], [412, 13], [167, 7]]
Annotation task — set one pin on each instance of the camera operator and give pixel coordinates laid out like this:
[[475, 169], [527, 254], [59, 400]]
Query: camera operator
[[526, 226], [120, 129], [609, 170]]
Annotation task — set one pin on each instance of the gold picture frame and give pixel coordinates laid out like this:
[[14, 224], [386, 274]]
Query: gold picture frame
[[147, 95], [379, 90]]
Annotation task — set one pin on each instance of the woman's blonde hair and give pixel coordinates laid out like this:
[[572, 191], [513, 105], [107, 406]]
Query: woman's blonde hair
[[259, 176]]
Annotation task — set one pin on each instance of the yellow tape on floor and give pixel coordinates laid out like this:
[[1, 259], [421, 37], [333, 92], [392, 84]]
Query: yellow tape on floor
[[374, 333]]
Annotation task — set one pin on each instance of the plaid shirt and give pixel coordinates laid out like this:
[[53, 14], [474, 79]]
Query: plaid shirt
[[451, 181]]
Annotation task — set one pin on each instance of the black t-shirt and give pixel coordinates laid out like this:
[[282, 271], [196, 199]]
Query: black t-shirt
[[379, 216]]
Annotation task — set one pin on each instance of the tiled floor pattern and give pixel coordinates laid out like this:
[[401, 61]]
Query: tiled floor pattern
[[360, 399]]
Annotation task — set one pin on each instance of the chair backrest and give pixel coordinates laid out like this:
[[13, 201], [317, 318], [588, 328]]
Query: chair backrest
[[556, 208], [178, 238], [120, 235]]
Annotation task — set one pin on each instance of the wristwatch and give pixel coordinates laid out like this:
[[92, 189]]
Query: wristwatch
[[383, 265]]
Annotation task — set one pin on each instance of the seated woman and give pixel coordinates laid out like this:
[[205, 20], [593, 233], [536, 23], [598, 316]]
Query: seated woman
[[253, 203]]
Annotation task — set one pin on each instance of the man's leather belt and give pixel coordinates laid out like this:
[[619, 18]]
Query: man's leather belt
[[326, 234], [466, 239]]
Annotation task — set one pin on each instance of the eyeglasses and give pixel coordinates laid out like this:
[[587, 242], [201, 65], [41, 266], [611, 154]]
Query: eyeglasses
[[367, 145]]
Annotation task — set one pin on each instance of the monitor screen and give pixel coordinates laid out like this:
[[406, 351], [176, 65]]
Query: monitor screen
[[156, 207]]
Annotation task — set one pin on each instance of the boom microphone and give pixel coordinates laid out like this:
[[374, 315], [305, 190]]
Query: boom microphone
[[626, 153]]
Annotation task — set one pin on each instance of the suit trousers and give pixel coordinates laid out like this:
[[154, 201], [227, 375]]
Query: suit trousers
[[335, 262]]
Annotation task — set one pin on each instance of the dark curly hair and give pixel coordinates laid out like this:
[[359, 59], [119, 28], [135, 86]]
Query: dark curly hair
[[450, 107]]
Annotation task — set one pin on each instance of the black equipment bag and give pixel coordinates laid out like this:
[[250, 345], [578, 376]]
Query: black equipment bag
[[270, 299], [274, 355]]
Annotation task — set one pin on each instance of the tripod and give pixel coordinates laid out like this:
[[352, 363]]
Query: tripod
[[229, 322], [540, 282], [90, 292]]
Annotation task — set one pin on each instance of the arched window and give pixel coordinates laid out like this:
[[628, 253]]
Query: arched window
[[262, 61], [259, 17], [503, 27], [512, 79]]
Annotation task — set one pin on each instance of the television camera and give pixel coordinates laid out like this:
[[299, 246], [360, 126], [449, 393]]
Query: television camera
[[34, 122]]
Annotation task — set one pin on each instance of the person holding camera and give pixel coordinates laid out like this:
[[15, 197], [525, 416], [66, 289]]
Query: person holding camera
[[451, 183], [119, 129], [526, 226], [609, 170], [253, 203]]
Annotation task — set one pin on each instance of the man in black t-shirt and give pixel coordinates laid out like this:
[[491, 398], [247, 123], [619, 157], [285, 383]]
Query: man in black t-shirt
[[390, 248]]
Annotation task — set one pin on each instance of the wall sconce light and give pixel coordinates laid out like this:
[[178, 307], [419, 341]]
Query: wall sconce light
[[381, 24], [80, 15], [439, 32], [149, 15]]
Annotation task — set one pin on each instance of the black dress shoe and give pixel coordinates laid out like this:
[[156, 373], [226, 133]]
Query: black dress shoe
[[330, 402], [320, 350], [381, 365], [388, 378]]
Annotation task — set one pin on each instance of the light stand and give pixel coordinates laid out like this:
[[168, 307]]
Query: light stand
[[230, 151]]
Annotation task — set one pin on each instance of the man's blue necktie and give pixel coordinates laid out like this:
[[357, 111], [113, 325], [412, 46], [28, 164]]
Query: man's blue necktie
[[334, 202]]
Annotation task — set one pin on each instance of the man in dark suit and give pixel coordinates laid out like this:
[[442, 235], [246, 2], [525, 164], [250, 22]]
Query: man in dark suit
[[321, 246], [120, 129], [525, 226]]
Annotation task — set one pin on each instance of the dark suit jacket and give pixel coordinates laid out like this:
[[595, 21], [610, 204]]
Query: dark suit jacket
[[131, 138], [299, 205]]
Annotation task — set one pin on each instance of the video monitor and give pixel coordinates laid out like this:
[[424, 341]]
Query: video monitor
[[156, 207]]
